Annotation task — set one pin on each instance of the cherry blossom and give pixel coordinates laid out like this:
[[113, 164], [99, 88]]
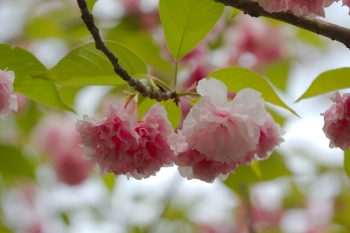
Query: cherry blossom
[[218, 135], [253, 43], [61, 142], [121, 145], [337, 121], [8, 100], [297, 7]]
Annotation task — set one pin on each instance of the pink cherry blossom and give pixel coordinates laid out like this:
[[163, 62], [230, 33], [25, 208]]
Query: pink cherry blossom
[[55, 135], [121, 145], [8, 100], [218, 135], [337, 122], [254, 43], [58, 138], [297, 7], [72, 168]]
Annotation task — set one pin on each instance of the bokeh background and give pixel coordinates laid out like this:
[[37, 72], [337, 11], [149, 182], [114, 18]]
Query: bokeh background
[[47, 186]]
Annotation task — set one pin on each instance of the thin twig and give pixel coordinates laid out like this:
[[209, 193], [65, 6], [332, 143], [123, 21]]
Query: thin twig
[[118, 69], [248, 208], [329, 30]]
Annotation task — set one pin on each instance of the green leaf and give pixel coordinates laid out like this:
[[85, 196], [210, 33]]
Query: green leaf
[[347, 162], [14, 164], [28, 81], [278, 73], [68, 94], [271, 168], [42, 91], [88, 66], [22, 62], [328, 81], [238, 78], [174, 112], [187, 22]]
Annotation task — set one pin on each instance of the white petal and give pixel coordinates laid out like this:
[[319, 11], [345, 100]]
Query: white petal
[[214, 89], [249, 102]]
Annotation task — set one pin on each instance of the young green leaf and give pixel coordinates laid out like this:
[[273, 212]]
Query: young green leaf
[[328, 81], [187, 22], [88, 66], [238, 78]]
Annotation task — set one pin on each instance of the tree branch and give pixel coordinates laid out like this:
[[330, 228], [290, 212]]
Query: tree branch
[[332, 31], [118, 69]]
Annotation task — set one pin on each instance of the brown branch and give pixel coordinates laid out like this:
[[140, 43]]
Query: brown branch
[[332, 31], [118, 69]]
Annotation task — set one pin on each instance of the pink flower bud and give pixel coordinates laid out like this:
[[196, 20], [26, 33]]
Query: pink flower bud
[[8, 100]]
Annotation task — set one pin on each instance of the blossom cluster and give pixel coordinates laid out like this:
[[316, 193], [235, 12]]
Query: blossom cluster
[[217, 136], [299, 7]]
